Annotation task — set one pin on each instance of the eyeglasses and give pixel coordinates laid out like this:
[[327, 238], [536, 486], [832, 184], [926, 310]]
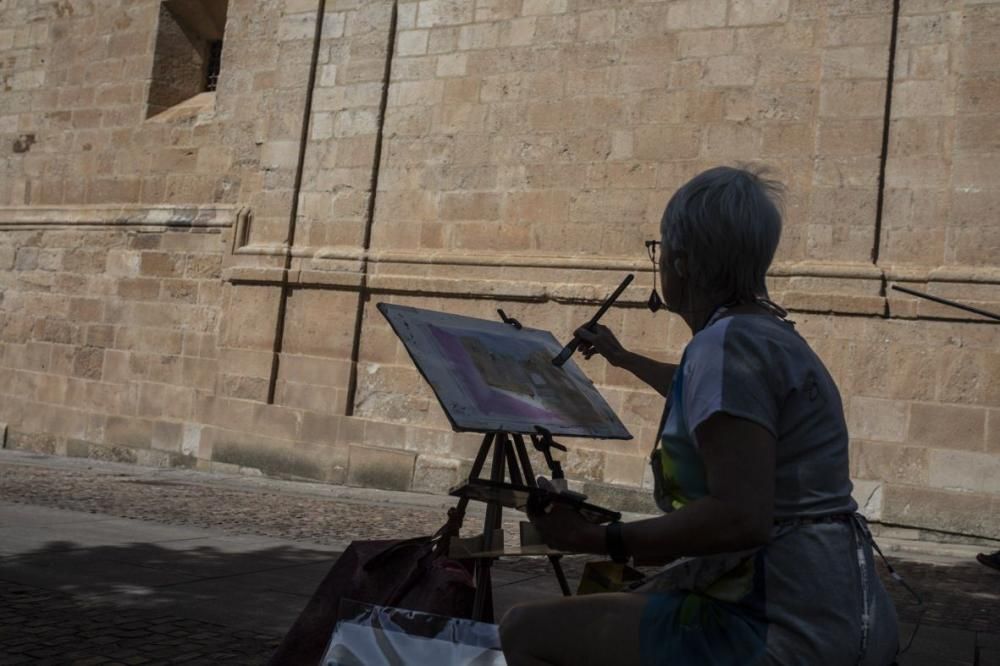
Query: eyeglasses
[[655, 302]]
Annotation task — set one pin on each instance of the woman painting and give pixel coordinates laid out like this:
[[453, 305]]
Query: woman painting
[[751, 466]]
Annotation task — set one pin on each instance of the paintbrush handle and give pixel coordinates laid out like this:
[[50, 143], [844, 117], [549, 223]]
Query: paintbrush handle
[[611, 299], [568, 350]]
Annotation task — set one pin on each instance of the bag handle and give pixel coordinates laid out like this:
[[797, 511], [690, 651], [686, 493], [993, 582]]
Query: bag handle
[[439, 540]]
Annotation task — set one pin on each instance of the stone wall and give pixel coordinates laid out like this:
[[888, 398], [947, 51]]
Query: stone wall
[[198, 287]]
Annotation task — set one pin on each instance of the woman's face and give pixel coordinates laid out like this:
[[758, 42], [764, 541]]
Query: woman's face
[[673, 277]]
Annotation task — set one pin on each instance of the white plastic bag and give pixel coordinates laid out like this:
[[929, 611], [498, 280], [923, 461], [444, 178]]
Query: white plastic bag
[[381, 636]]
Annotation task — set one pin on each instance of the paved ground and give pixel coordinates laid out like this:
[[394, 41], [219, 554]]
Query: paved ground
[[106, 563]]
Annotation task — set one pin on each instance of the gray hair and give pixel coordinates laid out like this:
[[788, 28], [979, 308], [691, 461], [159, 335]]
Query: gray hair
[[728, 223]]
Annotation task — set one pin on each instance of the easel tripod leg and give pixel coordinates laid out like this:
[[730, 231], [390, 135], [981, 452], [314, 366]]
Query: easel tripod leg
[[483, 601], [556, 561]]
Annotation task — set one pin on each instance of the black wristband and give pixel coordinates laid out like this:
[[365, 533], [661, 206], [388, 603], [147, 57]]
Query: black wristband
[[614, 542]]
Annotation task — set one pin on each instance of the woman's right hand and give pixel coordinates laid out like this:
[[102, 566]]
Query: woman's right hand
[[600, 340]]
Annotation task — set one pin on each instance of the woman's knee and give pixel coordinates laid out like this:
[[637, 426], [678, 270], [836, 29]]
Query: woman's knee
[[515, 627]]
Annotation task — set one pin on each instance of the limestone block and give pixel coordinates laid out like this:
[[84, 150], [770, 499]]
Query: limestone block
[[411, 42], [248, 317], [993, 431], [479, 36], [519, 32], [380, 468], [270, 456], [138, 288], [969, 377], [928, 28], [279, 154], [153, 458], [385, 434], [977, 133], [538, 7], [869, 495], [889, 462], [948, 426], [310, 397], [911, 99], [730, 70], [275, 421], [433, 474], [161, 264], [496, 10], [432, 13], [978, 95], [191, 439], [121, 454], [315, 370], [756, 12], [626, 470], [874, 418], [856, 62], [88, 362], [50, 388], [128, 432], [965, 471], [849, 137], [26, 259], [356, 122], [949, 511], [584, 464], [732, 141], [244, 388], [167, 435], [320, 323], [597, 25], [667, 142], [470, 206], [297, 26], [429, 441], [321, 428], [688, 14], [227, 413], [853, 99], [621, 498]]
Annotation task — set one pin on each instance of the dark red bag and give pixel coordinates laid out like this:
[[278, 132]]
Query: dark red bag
[[414, 574]]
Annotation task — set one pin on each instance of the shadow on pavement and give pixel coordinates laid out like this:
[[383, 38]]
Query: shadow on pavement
[[178, 601]]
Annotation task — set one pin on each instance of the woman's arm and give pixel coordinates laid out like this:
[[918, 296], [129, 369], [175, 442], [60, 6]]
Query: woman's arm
[[602, 341], [735, 515]]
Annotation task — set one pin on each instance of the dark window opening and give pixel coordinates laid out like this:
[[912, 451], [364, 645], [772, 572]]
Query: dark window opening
[[214, 65], [188, 56]]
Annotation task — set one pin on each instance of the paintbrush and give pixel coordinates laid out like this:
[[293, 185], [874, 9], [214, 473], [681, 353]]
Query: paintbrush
[[575, 342]]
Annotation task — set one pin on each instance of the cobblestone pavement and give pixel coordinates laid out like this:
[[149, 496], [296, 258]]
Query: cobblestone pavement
[[185, 499], [35, 622], [45, 627]]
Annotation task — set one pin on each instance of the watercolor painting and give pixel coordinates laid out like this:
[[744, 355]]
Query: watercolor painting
[[489, 376]]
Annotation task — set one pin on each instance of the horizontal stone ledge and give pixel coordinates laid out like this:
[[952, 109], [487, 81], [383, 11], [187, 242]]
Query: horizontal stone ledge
[[955, 273], [301, 278], [119, 215], [853, 288], [857, 270], [575, 293]]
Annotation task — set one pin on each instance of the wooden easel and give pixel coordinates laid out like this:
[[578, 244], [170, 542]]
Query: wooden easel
[[509, 457]]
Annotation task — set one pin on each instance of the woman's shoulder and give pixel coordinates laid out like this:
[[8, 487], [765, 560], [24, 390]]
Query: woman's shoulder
[[745, 333], [742, 344]]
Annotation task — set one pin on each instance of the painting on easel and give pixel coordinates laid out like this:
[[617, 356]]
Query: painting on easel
[[491, 377]]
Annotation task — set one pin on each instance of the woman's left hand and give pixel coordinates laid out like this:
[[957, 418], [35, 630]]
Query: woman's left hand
[[563, 528]]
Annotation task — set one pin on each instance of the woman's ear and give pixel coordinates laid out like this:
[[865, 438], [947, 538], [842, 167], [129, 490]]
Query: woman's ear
[[680, 267]]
